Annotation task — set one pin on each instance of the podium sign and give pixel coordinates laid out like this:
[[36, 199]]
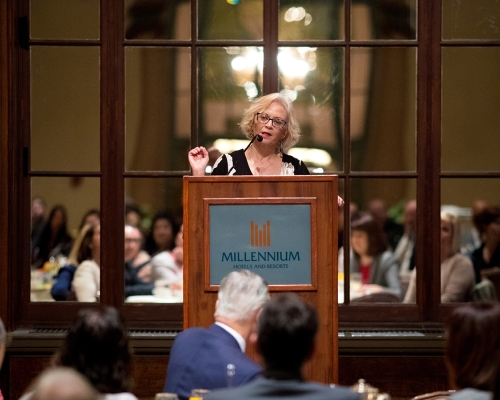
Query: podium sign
[[272, 240]]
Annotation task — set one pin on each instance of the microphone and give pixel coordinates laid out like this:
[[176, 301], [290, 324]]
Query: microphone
[[259, 139]]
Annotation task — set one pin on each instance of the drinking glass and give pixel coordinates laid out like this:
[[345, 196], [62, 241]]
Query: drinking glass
[[166, 396], [197, 394]]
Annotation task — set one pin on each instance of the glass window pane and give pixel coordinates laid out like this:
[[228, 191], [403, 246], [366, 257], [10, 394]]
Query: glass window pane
[[230, 19], [158, 108], [65, 107], [314, 77], [64, 19], [383, 109], [471, 19], [469, 235], [229, 78], [157, 20], [153, 240], [470, 118], [395, 20], [310, 20], [60, 208], [382, 217]]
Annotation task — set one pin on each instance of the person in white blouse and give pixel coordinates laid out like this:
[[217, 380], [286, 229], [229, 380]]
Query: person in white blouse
[[86, 253]]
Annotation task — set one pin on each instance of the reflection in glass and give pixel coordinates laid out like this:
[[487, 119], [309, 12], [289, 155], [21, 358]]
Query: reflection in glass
[[229, 79], [158, 108], [157, 20], [383, 107], [64, 19], [310, 20], [65, 107], [230, 20], [313, 77], [60, 209], [153, 240], [470, 19], [394, 20], [470, 118], [383, 220]]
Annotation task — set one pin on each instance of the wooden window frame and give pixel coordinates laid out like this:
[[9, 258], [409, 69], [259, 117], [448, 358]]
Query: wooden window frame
[[15, 175]]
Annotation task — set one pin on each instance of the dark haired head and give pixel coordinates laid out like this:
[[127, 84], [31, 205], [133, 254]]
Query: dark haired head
[[364, 222], [85, 250], [151, 246], [287, 330], [485, 217], [97, 347], [473, 346], [92, 212]]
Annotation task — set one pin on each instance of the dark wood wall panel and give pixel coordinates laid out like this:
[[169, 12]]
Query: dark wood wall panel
[[401, 376]]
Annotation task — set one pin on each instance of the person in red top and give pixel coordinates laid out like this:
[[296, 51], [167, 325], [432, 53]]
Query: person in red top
[[372, 258]]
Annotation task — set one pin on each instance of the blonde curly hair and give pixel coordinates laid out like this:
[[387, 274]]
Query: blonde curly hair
[[260, 104]]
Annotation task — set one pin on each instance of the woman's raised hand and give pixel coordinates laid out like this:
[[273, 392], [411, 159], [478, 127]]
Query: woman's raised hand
[[198, 159]]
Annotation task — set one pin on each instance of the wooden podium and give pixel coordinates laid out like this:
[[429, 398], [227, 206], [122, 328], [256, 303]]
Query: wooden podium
[[228, 199]]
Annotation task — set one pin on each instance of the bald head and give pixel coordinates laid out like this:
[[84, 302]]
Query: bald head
[[63, 384]]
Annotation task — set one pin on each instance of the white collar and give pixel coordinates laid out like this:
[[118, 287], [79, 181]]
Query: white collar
[[236, 335]]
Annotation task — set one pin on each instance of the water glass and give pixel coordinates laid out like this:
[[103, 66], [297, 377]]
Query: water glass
[[166, 396], [197, 394]]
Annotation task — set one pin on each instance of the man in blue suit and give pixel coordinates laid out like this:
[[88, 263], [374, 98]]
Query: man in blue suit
[[287, 333], [215, 358]]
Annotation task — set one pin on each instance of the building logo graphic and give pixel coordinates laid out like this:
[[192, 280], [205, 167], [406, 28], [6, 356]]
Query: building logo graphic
[[260, 237]]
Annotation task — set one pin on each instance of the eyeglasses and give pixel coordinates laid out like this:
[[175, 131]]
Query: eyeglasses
[[277, 122]]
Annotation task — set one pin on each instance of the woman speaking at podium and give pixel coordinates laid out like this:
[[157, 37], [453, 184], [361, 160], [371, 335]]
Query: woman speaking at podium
[[272, 128]]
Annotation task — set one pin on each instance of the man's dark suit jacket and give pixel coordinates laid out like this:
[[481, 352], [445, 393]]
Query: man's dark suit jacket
[[199, 359], [271, 389]]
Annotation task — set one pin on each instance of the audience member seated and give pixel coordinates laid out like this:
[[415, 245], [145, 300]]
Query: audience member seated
[[87, 254], [62, 288], [166, 266], [38, 217], [97, 346], [54, 240], [199, 356], [392, 230], [163, 233], [91, 217], [487, 256], [405, 249], [472, 352], [287, 330], [161, 240], [135, 260], [370, 257], [3, 340], [457, 273], [61, 383], [132, 215]]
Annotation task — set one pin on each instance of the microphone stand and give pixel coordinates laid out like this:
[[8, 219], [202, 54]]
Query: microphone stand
[[259, 139]]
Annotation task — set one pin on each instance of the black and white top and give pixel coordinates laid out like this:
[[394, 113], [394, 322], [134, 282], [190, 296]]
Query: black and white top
[[236, 163]]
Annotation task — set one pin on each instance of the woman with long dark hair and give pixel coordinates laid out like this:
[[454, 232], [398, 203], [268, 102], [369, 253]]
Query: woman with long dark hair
[[54, 239]]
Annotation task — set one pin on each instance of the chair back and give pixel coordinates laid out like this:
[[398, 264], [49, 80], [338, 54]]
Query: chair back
[[483, 291], [380, 297], [493, 275], [440, 395]]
